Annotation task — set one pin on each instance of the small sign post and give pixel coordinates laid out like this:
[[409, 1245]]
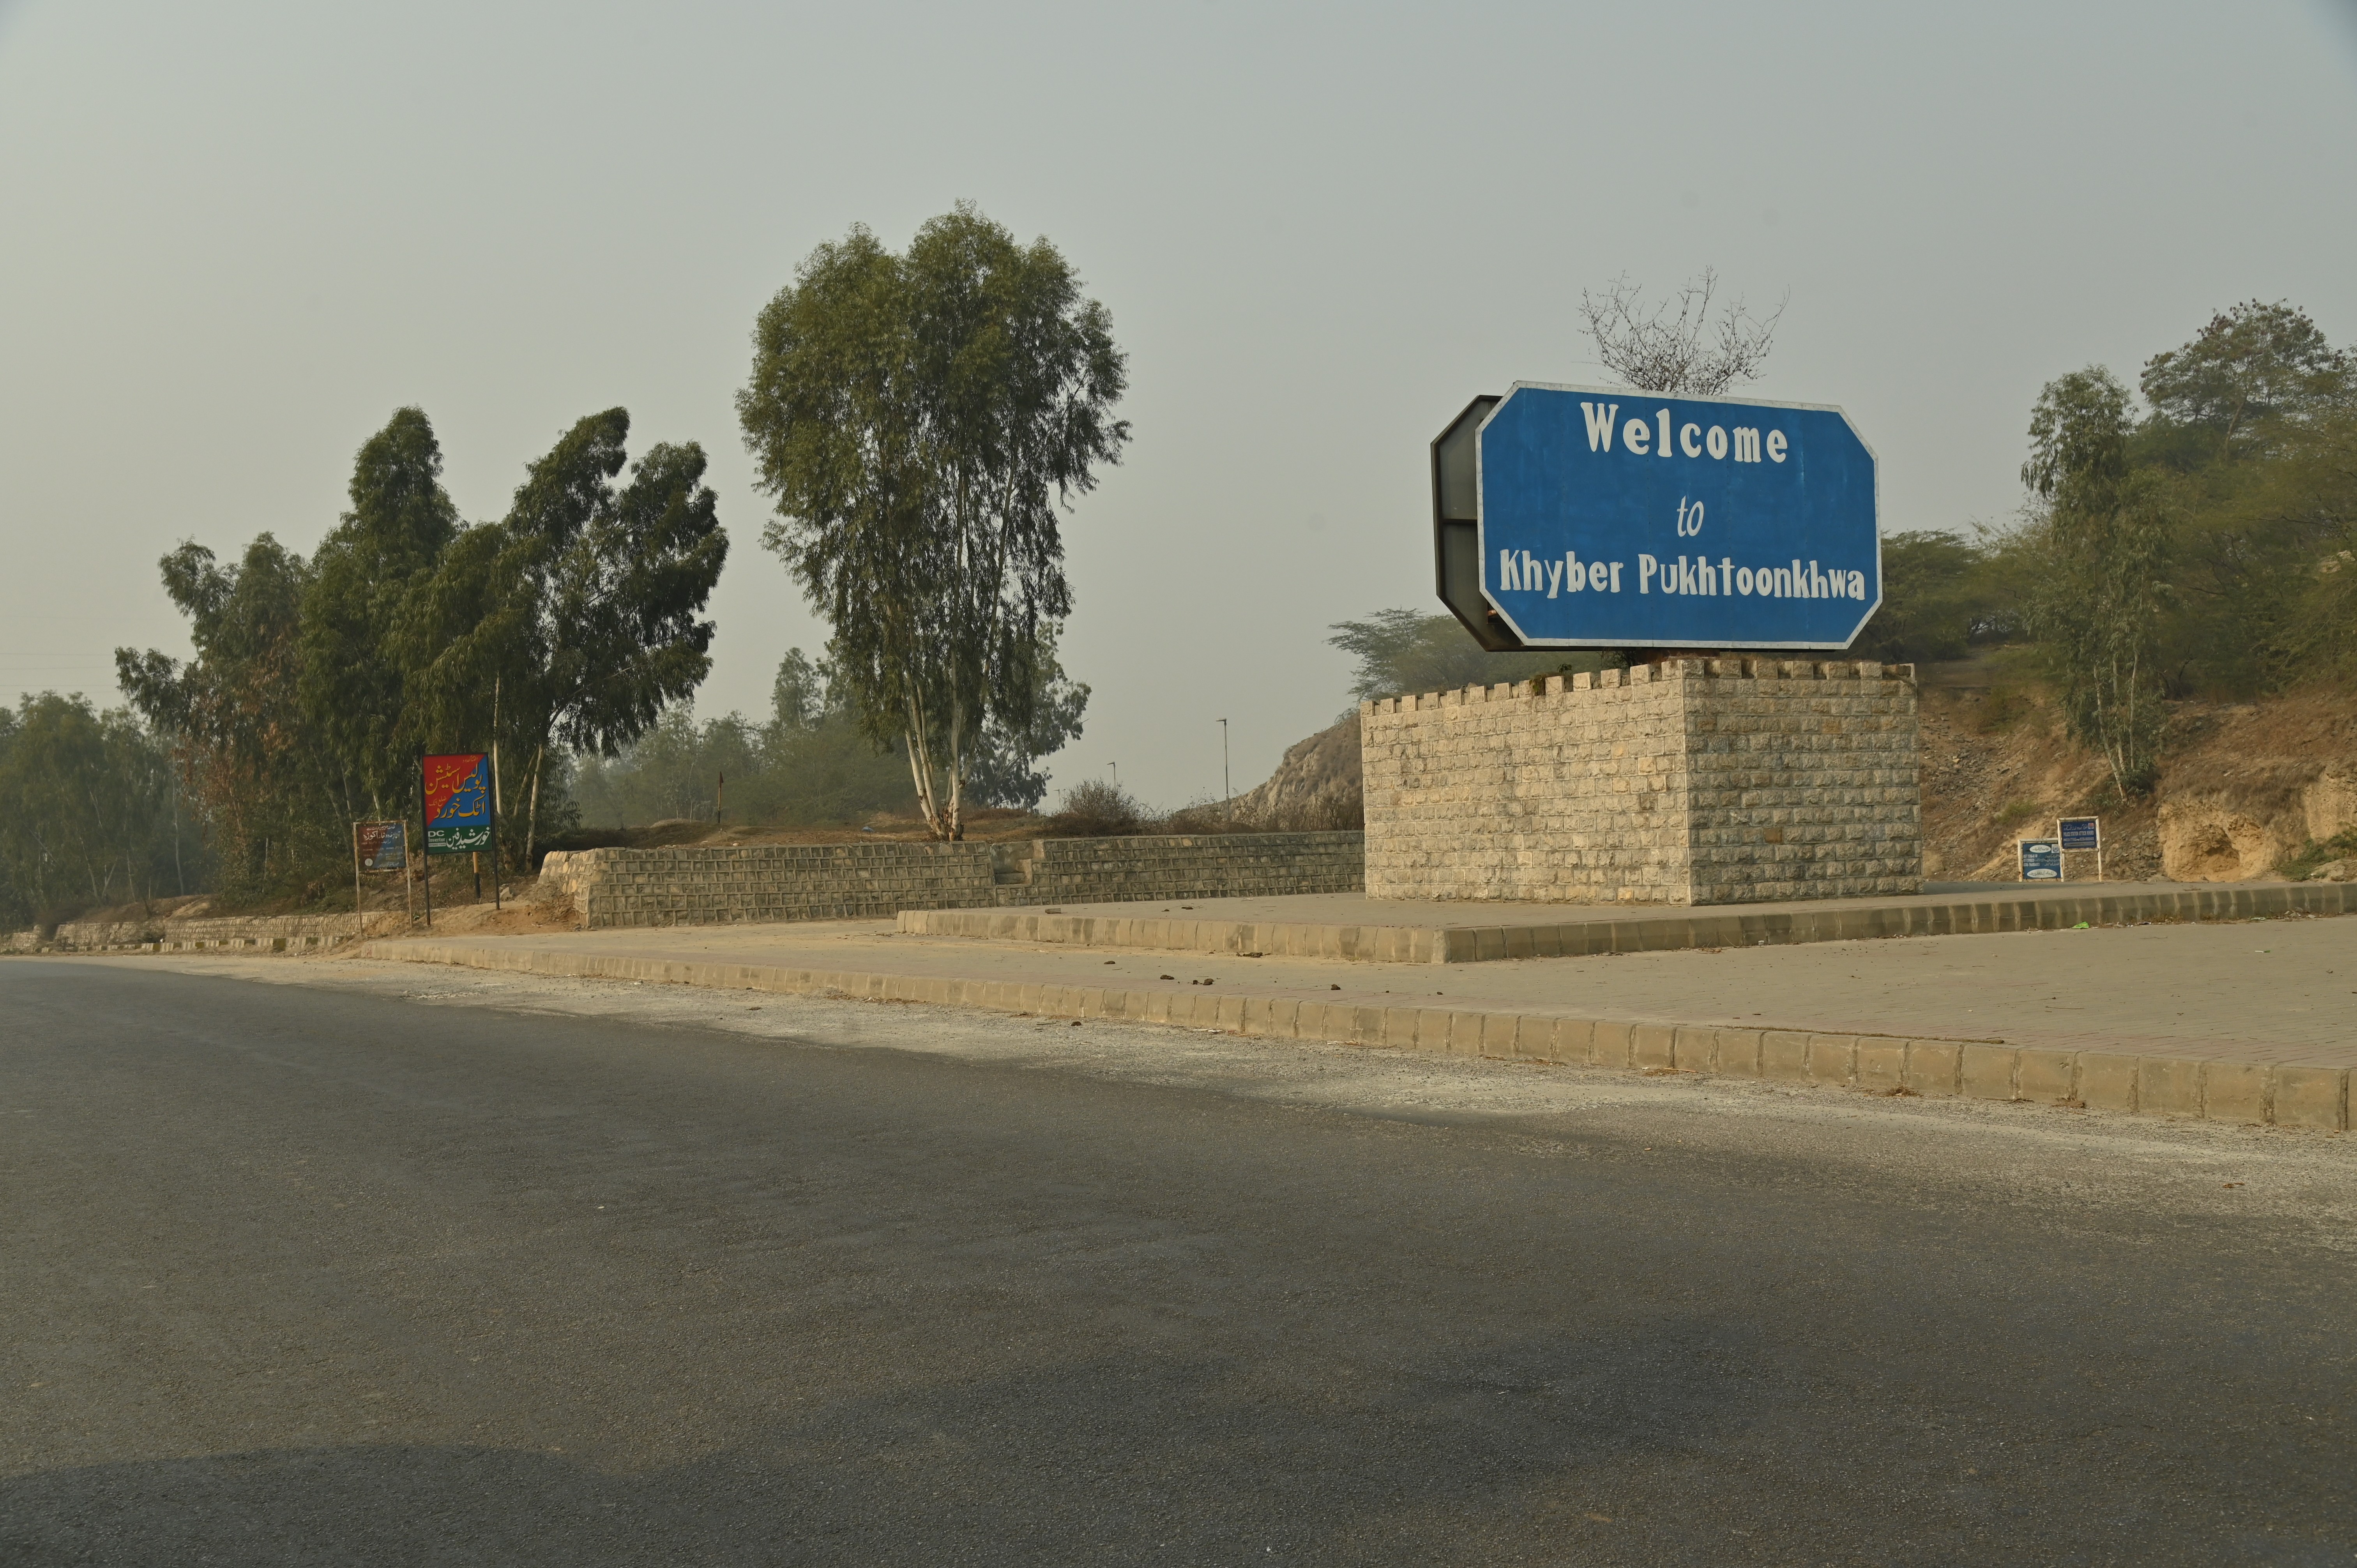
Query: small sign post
[[460, 817], [2041, 860], [378, 846], [2082, 832]]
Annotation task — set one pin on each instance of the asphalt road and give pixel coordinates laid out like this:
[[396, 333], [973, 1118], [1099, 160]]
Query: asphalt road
[[305, 1275]]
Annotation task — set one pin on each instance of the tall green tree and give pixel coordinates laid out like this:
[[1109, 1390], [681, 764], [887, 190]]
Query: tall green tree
[[921, 421], [1942, 593], [577, 619], [2252, 366], [87, 812], [1003, 769], [359, 615], [2100, 549], [241, 733]]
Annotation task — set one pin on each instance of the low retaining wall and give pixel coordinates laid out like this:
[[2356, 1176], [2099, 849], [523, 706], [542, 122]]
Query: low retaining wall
[[257, 933], [706, 886], [1220, 865]]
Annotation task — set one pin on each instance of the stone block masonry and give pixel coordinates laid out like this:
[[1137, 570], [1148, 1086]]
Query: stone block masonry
[[1687, 781], [622, 888], [246, 934]]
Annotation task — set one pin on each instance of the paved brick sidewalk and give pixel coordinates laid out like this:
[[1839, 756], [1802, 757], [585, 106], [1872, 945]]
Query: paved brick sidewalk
[[2280, 990]]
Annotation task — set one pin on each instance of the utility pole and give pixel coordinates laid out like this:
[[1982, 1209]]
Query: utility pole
[[1227, 790], [1116, 773]]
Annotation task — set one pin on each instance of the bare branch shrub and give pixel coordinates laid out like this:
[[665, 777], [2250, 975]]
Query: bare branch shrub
[[1094, 808], [1662, 353]]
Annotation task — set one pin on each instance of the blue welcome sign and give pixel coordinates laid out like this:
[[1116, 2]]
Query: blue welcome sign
[[1616, 518]]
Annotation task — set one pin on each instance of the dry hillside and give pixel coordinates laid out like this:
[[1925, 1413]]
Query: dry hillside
[[1315, 786], [2244, 787]]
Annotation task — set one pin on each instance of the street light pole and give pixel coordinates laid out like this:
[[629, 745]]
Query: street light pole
[[1227, 790]]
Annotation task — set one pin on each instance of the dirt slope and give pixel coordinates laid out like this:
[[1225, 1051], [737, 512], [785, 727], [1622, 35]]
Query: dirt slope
[[1315, 786]]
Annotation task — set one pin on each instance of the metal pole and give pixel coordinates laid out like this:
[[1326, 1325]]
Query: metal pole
[[426, 862], [495, 829], [357, 920], [1227, 790]]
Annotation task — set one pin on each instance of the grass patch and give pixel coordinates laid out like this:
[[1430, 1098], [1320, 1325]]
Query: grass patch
[[2004, 707], [2339, 846], [2018, 812]]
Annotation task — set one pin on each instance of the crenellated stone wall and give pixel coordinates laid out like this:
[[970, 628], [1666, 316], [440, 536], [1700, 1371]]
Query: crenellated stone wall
[[1686, 781]]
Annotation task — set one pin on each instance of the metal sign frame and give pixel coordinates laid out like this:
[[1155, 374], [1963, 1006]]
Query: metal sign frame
[[1457, 529]]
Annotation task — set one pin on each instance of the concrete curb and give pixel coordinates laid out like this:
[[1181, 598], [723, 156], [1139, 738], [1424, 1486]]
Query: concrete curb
[[1747, 926], [2258, 1093]]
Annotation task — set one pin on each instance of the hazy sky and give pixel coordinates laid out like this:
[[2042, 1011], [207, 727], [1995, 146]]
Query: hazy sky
[[234, 237]]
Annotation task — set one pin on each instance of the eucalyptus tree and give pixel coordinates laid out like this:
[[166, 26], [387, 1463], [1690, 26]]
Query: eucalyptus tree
[[2100, 546], [1002, 768], [242, 736], [361, 611], [86, 812], [576, 620], [921, 420]]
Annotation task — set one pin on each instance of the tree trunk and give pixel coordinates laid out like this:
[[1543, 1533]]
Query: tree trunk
[[957, 773], [532, 811], [921, 767]]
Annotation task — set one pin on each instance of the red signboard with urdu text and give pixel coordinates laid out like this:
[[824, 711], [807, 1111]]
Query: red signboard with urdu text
[[457, 802]]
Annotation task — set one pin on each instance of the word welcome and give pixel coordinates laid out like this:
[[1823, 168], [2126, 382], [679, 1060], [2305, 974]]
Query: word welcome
[[1694, 440], [1520, 572]]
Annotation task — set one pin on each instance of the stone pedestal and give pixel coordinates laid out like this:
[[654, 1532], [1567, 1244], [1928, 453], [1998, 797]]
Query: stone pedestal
[[1687, 781]]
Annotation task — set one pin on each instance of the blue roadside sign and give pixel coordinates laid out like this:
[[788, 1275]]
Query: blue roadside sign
[[2041, 860], [2081, 832], [1616, 519]]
